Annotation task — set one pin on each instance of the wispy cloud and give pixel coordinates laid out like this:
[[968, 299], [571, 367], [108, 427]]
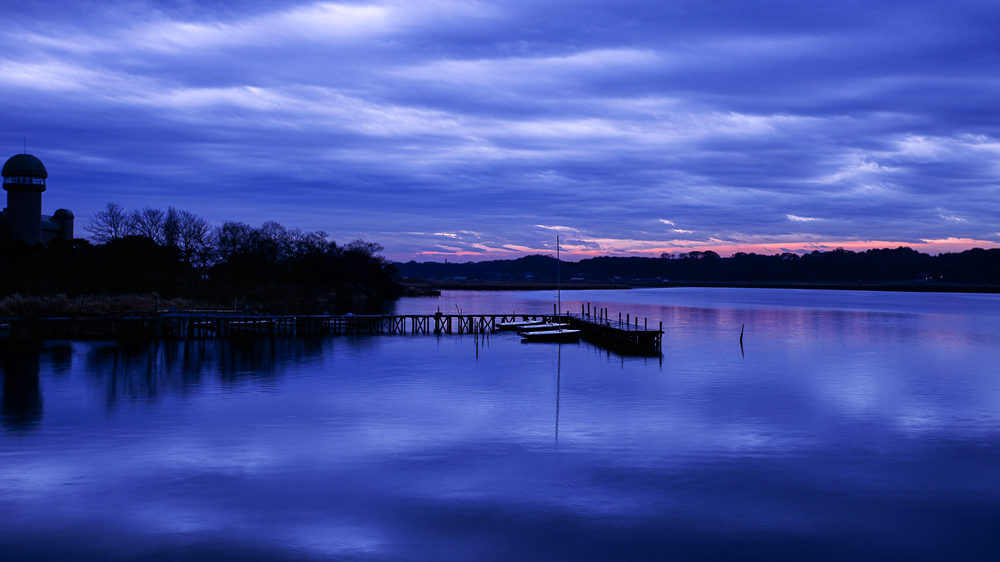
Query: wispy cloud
[[557, 228], [494, 125]]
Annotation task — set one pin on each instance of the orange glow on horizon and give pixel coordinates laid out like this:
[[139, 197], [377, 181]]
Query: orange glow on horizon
[[724, 249]]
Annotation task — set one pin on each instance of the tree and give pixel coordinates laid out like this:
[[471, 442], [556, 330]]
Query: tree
[[148, 223], [273, 242], [363, 248], [172, 228], [233, 238], [192, 240], [110, 224]]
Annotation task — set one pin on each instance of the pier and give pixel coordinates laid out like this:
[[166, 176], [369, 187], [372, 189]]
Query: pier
[[595, 327], [624, 335]]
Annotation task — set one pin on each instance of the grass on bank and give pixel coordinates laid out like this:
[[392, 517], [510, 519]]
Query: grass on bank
[[22, 306]]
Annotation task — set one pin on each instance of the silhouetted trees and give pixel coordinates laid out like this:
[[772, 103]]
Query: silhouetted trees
[[109, 224], [887, 265], [177, 253]]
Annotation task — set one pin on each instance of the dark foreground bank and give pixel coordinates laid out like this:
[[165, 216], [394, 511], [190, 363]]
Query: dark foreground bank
[[237, 267]]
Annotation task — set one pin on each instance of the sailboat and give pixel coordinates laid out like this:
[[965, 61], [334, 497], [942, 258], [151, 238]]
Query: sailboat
[[542, 327], [557, 334], [519, 325]]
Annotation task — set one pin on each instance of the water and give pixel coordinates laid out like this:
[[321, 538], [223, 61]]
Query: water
[[852, 425]]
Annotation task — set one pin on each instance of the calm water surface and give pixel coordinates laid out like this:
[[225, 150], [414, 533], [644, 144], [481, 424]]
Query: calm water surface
[[854, 425]]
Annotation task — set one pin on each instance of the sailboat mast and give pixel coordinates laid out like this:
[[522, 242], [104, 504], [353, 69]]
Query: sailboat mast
[[558, 280]]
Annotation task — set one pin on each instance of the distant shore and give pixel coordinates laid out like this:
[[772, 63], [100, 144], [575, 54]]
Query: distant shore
[[912, 287], [426, 287]]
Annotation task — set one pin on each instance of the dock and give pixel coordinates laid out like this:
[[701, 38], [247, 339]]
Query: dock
[[595, 327], [624, 335]]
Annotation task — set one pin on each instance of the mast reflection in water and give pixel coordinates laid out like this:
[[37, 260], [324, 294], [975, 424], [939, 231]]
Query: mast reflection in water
[[856, 426]]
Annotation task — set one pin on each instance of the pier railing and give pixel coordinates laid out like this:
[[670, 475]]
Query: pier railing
[[619, 336]]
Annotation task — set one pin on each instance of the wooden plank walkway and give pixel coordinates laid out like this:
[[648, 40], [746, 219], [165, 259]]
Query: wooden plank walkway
[[618, 336]]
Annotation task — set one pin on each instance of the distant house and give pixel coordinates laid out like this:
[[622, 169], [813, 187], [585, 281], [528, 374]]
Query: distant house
[[24, 178]]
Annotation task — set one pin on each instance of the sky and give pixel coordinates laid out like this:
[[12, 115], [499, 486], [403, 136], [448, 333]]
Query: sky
[[471, 130]]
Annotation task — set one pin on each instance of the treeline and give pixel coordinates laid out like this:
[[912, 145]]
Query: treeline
[[897, 265], [176, 253]]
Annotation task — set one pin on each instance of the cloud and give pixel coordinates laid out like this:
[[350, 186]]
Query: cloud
[[529, 71], [557, 228], [384, 119], [318, 21]]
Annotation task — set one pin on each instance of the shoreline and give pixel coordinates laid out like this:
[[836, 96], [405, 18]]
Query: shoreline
[[413, 287], [424, 287], [916, 287]]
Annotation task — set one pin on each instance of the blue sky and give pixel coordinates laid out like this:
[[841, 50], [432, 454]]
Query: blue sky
[[480, 130]]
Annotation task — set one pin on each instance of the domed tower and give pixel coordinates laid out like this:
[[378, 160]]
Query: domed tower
[[63, 219], [24, 181]]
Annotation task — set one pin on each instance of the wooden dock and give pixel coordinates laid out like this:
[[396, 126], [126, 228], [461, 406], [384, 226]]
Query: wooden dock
[[618, 336]]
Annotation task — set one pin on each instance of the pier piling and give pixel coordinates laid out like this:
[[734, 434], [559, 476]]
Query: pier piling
[[596, 328]]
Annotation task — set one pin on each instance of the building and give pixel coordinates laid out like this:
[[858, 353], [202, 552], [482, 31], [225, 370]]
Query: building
[[24, 181]]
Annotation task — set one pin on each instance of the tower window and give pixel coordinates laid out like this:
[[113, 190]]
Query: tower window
[[24, 179]]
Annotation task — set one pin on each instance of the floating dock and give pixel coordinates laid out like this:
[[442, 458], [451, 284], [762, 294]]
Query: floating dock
[[619, 336]]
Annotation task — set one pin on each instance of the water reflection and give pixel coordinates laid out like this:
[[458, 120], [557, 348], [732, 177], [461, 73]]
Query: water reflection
[[558, 384], [147, 370], [21, 404], [843, 434]]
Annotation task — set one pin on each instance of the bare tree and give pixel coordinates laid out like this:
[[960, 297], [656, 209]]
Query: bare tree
[[274, 242], [110, 224], [193, 237], [304, 244], [233, 238], [367, 249], [147, 222], [171, 228]]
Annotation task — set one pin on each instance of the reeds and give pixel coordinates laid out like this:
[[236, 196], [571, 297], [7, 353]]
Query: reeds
[[21, 306]]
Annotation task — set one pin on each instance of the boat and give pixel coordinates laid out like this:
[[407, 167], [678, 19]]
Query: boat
[[544, 327], [518, 325], [551, 336], [552, 332]]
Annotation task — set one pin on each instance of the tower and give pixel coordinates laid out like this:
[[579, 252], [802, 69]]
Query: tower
[[63, 219], [24, 181]]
